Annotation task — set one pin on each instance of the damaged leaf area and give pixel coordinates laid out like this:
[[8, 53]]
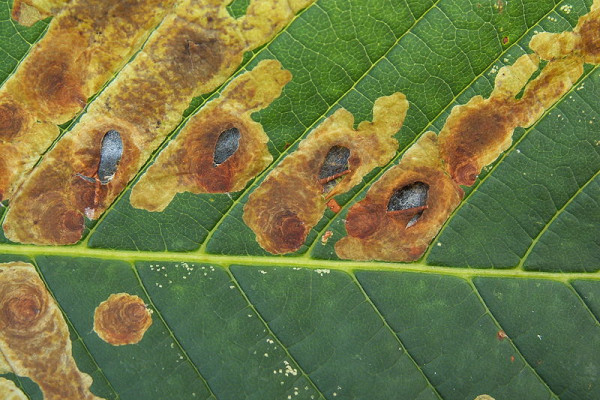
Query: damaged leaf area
[[122, 319], [583, 41], [403, 210], [34, 338], [476, 133], [196, 47], [10, 391], [86, 43], [293, 197], [221, 148], [28, 12]]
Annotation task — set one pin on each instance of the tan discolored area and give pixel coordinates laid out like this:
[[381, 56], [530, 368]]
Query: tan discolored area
[[86, 43], [476, 133], [10, 391], [293, 198], [28, 12], [34, 338], [583, 41], [122, 319], [187, 164], [195, 49], [378, 234]]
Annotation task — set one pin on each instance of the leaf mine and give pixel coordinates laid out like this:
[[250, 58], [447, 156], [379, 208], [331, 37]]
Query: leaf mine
[[583, 41], [122, 319], [10, 391], [476, 133], [403, 210], [195, 49], [199, 160], [291, 200], [34, 337], [86, 43]]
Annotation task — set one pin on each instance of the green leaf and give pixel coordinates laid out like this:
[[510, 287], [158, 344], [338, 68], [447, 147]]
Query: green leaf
[[505, 302]]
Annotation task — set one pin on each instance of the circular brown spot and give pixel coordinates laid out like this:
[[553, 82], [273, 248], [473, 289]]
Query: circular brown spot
[[465, 174], [122, 319], [11, 120], [20, 307], [362, 221], [290, 230]]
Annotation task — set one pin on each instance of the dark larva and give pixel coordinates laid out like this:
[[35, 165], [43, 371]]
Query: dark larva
[[227, 145], [111, 152]]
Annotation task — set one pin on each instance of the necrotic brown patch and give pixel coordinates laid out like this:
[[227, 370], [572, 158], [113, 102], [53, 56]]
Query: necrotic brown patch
[[34, 338], [122, 319], [332, 159], [221, 147], [12, 119], [403, 210]]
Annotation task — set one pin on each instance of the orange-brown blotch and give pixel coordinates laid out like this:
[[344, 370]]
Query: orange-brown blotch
[[34, 337], [188, 162], [122, 319], [377, 232], [293, 198]]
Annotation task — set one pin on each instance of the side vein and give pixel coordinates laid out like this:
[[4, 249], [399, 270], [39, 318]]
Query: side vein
[[171, 333]]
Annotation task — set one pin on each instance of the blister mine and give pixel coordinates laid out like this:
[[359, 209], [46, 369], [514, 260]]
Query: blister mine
[[403, 210], [330, 161], [195, 49], [34, 337], [122, 319], [220, 148]]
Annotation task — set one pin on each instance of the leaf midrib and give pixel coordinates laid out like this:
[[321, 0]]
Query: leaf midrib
[[33, 251]]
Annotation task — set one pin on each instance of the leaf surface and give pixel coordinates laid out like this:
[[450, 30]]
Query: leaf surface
[[506, 300]]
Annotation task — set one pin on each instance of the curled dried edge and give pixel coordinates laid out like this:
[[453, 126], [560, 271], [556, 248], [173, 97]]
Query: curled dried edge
[[34, 337], [194, 162], [293, 197], [193, 51], [86, 43], [122, 319]]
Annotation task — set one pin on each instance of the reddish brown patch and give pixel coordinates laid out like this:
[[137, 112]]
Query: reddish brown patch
[[376, 233], [334, 206], [512, 358], [505, 40], [363, 220], [57, 85], [476, 130], [198, 155], [590, 37], [501, 335], [288, 230], [122, 319], [34, 337], [12, 119]]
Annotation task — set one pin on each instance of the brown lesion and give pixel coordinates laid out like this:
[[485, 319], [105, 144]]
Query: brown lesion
[[122, 319], [194, 50], [476, 133], [583, 41], [34, 338], [385, 227], [187, 164], [293, 198], [59, 197]]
